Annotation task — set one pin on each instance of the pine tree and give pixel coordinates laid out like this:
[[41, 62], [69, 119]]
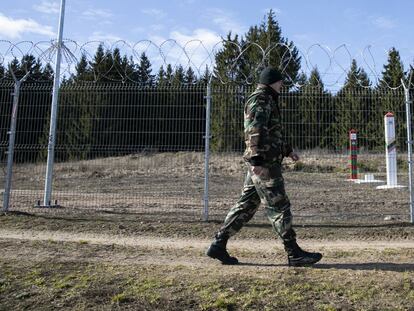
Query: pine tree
[[144, 71], [161, 77], [228, 61], [169, 74], [110, 73], [290, 104], [393, 71], [353, 108], [128, 69], [316, 113], [117, 70], [279, 52], [2, 72], [301, 80], [410, 78], [179, 76], [98, 64], [15, 68], [190, 77], [205, 77], [32, 66], [225, 125], [47, 73], [391, 95], [83, 70]]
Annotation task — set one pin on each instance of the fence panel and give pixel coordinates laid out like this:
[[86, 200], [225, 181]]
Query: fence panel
[[130, 148], [317, 124], [119, 147]]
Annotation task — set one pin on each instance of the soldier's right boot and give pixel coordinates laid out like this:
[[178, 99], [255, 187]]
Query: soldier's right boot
[[297, 257], [217, 250]]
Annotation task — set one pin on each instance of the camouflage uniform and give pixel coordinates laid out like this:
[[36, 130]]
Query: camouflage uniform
[[266, 147]]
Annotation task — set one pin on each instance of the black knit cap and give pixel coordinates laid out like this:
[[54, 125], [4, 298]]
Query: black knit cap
[[270, 75]]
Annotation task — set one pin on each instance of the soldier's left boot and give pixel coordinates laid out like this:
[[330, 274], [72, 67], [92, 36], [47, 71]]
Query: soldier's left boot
[[297, 257], [217, 250]]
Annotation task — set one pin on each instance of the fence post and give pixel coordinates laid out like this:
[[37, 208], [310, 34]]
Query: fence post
[[53, 113], [12, 138], [207, 151], [353, 154], [408, 104]]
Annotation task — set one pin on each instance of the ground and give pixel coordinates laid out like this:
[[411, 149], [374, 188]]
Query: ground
[[122, 245]]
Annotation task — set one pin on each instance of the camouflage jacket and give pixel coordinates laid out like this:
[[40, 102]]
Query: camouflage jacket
[[263, 131]]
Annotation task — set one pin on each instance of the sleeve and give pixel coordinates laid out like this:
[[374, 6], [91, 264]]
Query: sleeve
[[258, 114]]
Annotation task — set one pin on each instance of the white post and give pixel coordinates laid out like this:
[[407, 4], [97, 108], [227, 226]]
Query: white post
[[207, 151], [53, 114], [390, 152]]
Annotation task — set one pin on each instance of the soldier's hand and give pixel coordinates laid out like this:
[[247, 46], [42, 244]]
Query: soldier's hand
[[260, 170], [294, 156]]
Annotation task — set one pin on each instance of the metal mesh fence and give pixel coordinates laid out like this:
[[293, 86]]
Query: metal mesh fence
[[118, 146], [317, 124], [131, 148], [131, 140]]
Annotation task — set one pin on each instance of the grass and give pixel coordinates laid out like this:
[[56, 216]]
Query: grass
[[70, 283]]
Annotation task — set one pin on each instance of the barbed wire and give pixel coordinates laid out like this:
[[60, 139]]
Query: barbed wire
[[242, 65]]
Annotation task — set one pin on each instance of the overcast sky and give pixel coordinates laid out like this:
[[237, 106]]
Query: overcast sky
[[317, 27]]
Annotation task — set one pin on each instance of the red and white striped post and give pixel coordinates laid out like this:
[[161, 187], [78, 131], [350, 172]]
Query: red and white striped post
[[353, 154]]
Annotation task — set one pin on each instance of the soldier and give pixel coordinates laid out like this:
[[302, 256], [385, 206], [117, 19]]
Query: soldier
[[265, 149]]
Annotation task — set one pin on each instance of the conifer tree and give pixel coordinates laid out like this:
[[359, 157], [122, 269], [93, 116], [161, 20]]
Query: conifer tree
[[83, 70], [169, 74], [48, 72], [315, 112], [144, 71], [190, 77], [391, 95], [353, 107], [205, 77], [2, 72], [14, 66], [393, 71], [97, 64], [179, 75], [228, 61], [161, 76], [279, 52]]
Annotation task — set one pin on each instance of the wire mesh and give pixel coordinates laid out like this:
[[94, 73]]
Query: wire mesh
[[129, 140], [317, 125]]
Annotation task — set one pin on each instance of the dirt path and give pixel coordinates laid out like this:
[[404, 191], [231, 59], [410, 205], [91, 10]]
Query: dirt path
[[180, 243], [253, 254]]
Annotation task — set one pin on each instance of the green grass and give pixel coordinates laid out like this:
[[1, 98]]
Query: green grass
[[74, 285]]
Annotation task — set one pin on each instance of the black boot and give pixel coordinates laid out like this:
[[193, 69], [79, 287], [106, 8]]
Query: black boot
[[217, 250], [298, 257]]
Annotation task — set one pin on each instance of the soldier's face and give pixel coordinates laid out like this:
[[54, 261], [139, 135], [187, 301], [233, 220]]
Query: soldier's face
[[277, 86]]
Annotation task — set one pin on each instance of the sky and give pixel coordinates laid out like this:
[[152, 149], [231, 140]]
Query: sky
[[328, 33]]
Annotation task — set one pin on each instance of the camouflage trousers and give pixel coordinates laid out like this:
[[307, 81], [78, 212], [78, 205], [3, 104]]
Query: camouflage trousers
[[268, 190]]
